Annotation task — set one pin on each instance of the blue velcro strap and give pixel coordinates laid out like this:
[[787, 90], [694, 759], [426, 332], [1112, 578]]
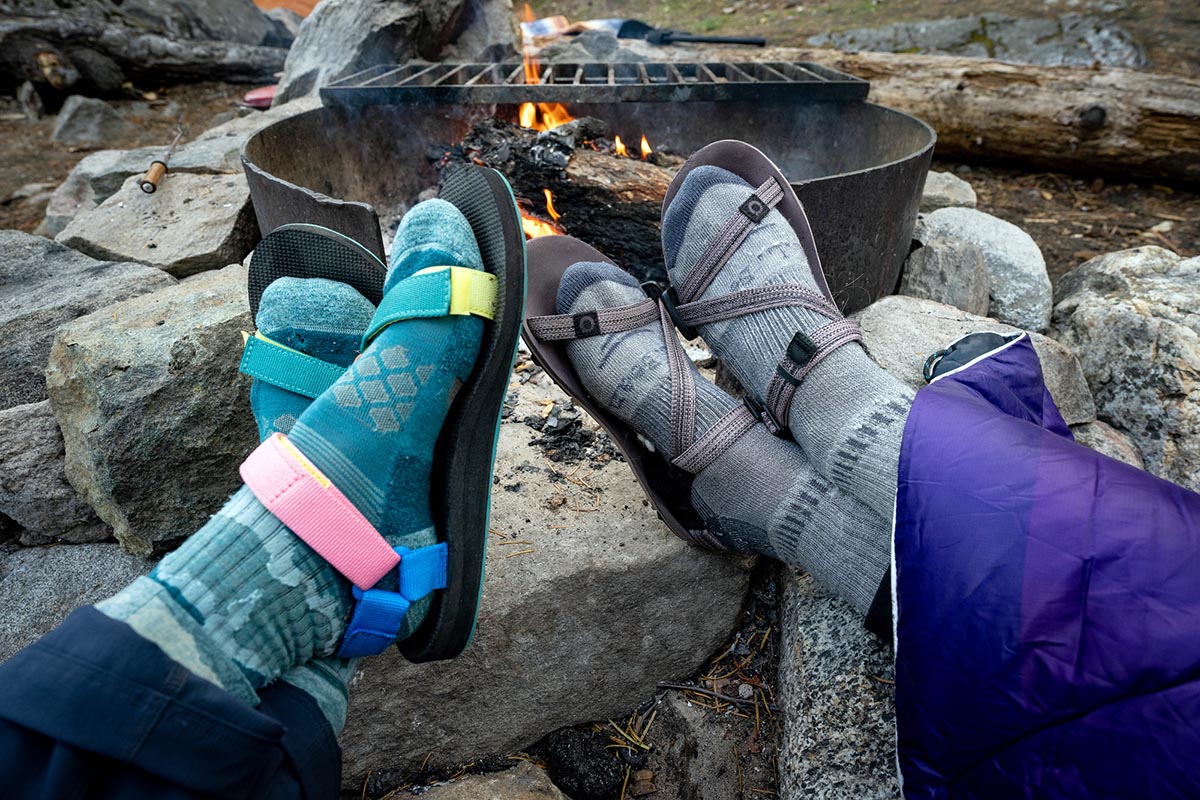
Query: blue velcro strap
[[426, 294], [286, 368], [422, 571], [379, 613]]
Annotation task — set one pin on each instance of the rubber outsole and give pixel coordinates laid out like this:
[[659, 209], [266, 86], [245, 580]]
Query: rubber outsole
[[301, 250], [461, 478]]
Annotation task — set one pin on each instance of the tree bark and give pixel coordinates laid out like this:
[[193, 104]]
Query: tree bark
[[1107, 120], [1097, 121]]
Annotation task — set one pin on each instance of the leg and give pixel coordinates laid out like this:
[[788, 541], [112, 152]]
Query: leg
[[189, 652], [848, 414], [760, 494]]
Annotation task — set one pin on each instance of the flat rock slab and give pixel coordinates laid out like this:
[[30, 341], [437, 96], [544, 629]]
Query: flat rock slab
[[901, 332], [100, 175], [191, 224], [607, 604], [42, 286], [40, 586], [154, 413], [1134, 319], [1020, 285], [34, 492], [523, 782], [837, 700]]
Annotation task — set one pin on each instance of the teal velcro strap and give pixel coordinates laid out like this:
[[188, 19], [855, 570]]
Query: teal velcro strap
[[418, 296], [288, 369]]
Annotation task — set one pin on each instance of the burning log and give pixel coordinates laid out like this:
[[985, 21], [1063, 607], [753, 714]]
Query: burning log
[[572, 180]]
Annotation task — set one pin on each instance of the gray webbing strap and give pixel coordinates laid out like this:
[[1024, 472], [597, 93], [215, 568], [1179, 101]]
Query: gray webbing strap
[[683, 387], [743, 220], [560, 327], [800, 360], [749, 301], [719, 438]]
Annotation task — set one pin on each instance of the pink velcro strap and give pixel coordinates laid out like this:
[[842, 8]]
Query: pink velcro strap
[[301, 497]]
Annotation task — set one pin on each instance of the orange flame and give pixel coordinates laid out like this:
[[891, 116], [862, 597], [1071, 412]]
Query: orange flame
[[619, 146], [540, 116], [554, 215], [534, 227], [646, 149]]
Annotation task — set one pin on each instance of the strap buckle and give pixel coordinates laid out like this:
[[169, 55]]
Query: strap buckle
[[379, 613], [765, 416], [670, 301]]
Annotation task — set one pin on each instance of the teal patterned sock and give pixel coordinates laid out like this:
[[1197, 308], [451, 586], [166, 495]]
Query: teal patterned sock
[[374, 431], [322, 318], [325, 319], [244, 600]]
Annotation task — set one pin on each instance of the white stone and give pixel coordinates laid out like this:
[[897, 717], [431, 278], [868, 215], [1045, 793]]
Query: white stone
[[1020, 286]]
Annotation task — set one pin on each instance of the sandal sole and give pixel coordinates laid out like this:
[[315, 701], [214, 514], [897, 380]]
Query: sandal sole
[[549, 258], [301, 250], [465, 453]]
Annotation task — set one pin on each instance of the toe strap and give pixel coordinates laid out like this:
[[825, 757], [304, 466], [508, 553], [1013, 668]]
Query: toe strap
[[271, 362]]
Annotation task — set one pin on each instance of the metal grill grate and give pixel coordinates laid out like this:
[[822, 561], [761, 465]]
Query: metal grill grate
[[661, 82]]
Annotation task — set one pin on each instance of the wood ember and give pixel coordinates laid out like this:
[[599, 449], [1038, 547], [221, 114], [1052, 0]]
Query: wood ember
[[611, 202]]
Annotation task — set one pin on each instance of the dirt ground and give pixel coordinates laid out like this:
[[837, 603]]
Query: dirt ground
[[1169, 30], [1073, 218], [29, 157]]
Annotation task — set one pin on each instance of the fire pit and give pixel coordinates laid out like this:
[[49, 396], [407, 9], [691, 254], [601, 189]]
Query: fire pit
[[377, 145]]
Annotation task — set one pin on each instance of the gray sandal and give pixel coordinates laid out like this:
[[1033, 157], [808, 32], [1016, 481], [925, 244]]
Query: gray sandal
[[667, 484], [688, 312]]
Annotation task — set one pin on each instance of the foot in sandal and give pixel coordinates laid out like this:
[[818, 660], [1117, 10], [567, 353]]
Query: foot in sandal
[[744, 270], [756, 492], [332, 540]]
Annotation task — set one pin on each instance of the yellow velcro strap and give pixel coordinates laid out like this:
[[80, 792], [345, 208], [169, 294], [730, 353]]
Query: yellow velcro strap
[[472, 291], [272, 342]]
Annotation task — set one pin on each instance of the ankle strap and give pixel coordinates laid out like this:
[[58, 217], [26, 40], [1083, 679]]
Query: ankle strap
[[302, 498]]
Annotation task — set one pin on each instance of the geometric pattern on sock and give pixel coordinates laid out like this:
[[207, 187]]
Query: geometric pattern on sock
[[388, 402]]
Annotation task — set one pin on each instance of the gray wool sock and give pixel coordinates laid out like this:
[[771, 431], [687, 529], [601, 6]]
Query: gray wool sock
[[848, 414], [761, 495]]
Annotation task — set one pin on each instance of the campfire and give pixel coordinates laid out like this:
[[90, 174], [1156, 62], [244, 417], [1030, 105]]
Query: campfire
[[548, 117], [590, 149]]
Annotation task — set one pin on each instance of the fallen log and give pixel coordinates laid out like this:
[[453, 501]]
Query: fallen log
[[1125, 122], [87, 52]]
